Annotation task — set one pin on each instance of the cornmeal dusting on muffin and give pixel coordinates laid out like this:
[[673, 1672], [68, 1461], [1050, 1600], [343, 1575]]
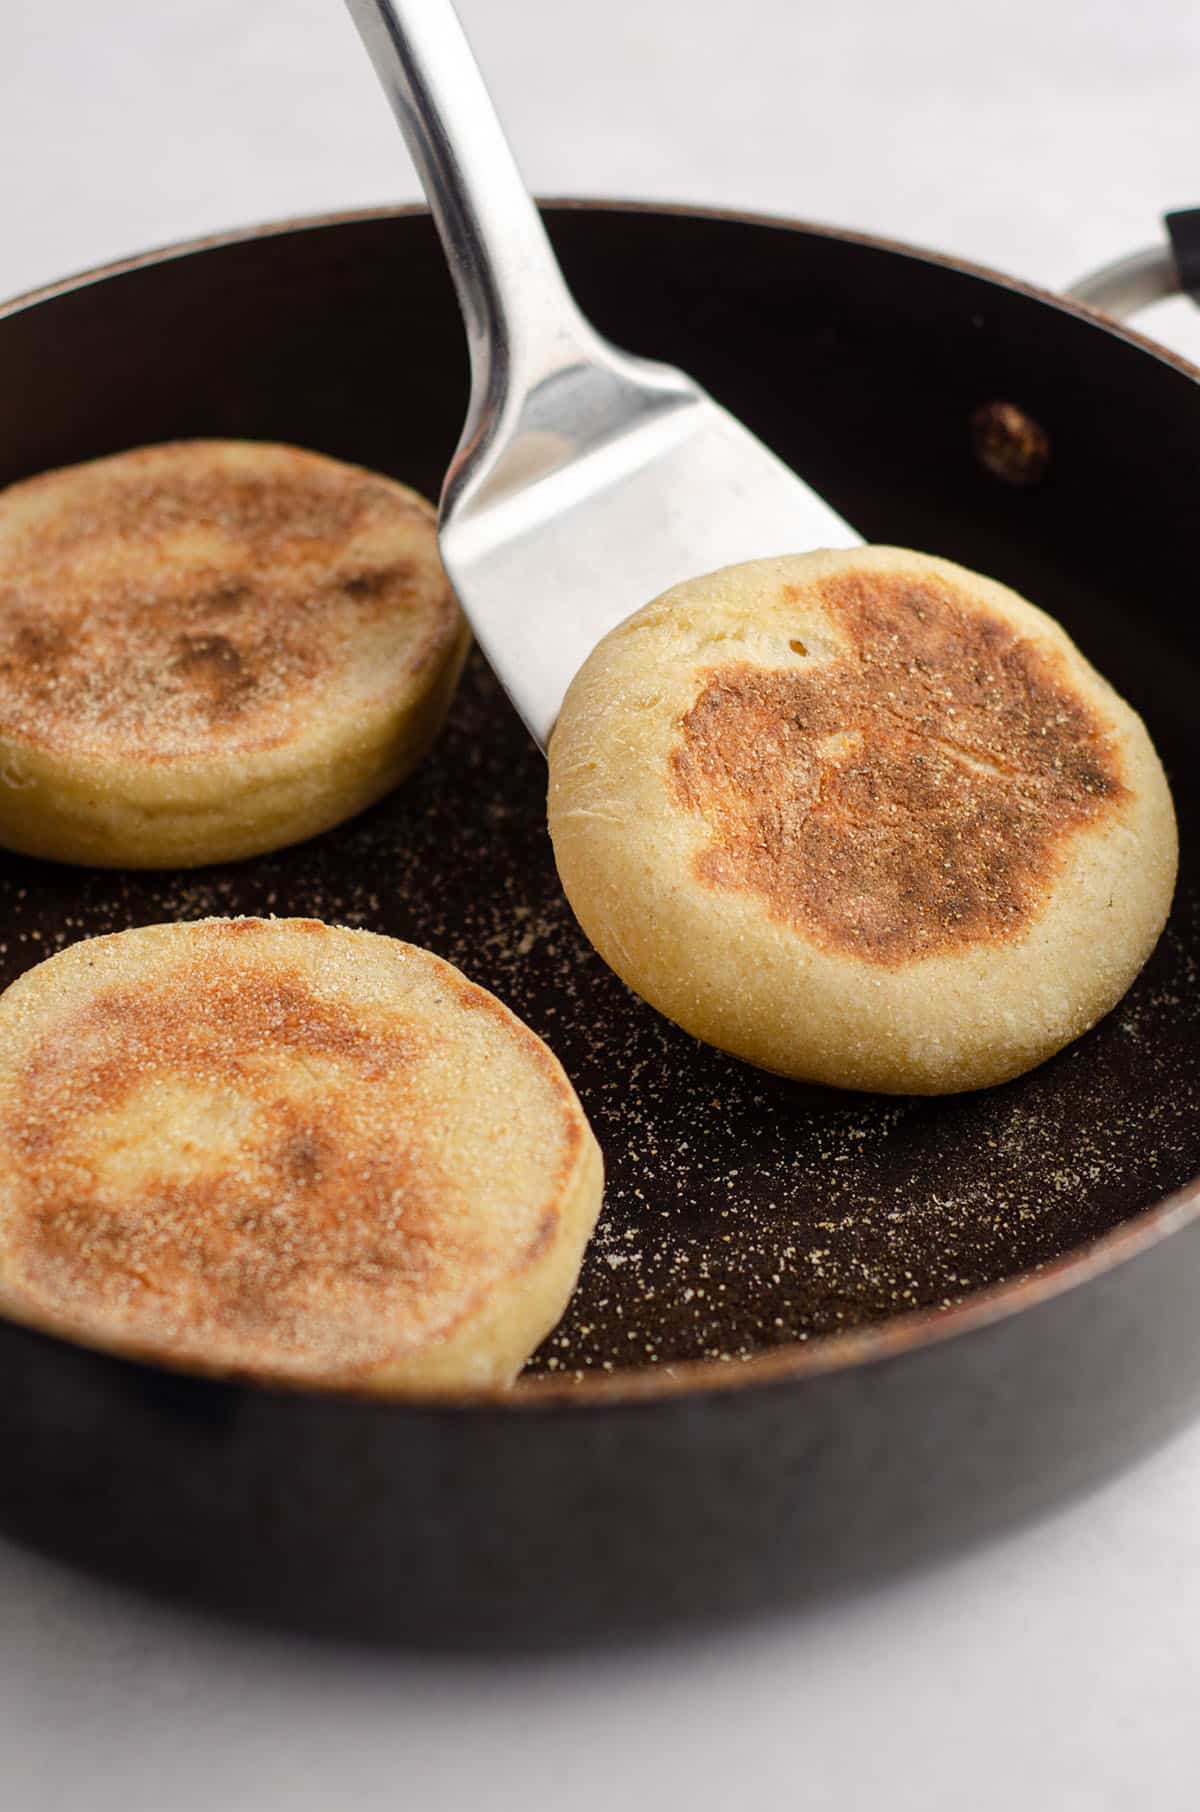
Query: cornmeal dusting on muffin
[[908, 797], [171, 601], [288, 1150]]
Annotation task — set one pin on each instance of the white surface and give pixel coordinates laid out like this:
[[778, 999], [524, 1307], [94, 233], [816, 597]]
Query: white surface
[[1056, 1670]]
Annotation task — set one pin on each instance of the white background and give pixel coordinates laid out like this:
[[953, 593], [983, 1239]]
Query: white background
[[1058, 1669]]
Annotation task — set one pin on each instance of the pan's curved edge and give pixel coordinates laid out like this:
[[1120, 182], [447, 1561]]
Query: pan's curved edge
[[301, 223]]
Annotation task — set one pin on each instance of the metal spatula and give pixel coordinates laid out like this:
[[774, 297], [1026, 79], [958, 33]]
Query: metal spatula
[[586, 480]]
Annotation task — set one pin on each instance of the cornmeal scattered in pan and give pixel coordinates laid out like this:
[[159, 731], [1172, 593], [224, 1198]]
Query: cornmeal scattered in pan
[[209, 649], [277, 1150], [864, 818]]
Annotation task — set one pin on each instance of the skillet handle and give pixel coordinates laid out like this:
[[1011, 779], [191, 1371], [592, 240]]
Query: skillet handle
[[1184, 227], [1130, 284]]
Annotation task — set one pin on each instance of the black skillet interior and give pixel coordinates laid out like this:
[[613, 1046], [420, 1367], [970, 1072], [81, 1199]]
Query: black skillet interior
[[742, 1212]]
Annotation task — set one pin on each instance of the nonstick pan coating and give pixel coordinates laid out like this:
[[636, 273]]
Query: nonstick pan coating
[[742, 1213]]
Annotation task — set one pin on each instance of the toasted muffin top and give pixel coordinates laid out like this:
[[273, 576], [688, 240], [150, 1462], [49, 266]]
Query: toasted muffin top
[[205, 596], [274, 1148], [863, 817], [904, 787]]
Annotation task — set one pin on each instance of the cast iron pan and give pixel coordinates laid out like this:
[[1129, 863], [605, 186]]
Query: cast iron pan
[[818, 1336]]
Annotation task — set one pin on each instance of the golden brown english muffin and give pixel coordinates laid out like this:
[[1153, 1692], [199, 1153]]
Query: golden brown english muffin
[[209, 649], [863, 818], [282, 1151]]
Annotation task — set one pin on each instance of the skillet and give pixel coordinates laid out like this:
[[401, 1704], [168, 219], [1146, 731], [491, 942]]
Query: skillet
[[818, 1336]]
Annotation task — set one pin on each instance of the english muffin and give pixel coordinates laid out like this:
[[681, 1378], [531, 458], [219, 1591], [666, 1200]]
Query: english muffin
[[209, 649], [286, 1152], [863, 818]]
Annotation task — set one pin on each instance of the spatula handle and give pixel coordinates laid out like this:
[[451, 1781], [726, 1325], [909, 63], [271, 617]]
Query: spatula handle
[[521, 320]]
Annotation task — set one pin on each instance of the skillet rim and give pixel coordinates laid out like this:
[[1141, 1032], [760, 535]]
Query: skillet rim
[[901, 1334]]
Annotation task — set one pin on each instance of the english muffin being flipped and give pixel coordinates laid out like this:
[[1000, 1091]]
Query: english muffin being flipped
[[281, 1151], [863, 818], [209, 649]]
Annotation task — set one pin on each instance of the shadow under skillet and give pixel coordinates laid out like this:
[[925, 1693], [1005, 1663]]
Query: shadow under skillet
[[742, 1211]]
